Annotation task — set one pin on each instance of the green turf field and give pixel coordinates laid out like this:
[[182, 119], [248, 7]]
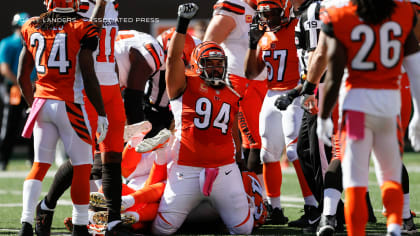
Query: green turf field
[[11, 200]]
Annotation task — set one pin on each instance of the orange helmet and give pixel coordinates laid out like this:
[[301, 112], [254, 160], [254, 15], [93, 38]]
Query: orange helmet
[[273, 14], [254, 193], [164, 38], [62, 6], [200, 66]]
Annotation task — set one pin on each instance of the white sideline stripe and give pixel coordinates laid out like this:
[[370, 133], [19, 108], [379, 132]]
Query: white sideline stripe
[[410, 169], [60, 202]]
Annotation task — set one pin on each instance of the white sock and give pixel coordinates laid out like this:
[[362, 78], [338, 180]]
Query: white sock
[[98, 183], [93, 187], [331, 198], [127, 201], [113, 224], [261, 179], [274, 202], [311, 201], [44, 207], [80, 214], [394, 228], [31, 192], [406, 207]]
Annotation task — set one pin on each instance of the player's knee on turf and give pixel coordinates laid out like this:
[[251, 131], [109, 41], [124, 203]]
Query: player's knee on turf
[[245, 228], [166, 223]]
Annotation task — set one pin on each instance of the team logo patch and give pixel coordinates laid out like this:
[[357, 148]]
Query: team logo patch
[[204, 88], [248, 19]]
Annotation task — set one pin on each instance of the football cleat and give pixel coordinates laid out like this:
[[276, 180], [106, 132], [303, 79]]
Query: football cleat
[[68, 223], [275, 216], [97, 199], [26, 229], [408, 226], [158, 141], [120, 229], [326, 226], [101, 218], [310, 218], [80, 230], [43, 220]]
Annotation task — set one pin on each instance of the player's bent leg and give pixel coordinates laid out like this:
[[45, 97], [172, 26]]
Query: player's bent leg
[[182, 194], [229, 198]]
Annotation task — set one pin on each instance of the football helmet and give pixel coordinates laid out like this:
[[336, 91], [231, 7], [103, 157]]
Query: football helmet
[[273, 14], [164, 38], [209, 62], [62, 6], [254, 193]]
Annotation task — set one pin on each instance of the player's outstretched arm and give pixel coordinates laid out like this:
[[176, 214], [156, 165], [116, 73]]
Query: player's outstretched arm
[[175, 68], [26, 65]]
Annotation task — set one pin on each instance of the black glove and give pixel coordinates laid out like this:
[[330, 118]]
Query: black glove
[[286, 99], [186, 12], [255, 33]]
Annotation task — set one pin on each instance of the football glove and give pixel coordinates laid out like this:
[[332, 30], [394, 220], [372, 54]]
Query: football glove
[[255, 33], [324, 130], [187, 10], [102, 128], [414, 132]]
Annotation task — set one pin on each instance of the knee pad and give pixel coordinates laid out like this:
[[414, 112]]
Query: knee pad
[[267, 157], [164, 225], [291, 153]]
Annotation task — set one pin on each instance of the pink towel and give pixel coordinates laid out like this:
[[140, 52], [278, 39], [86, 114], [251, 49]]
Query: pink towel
[[30, 122], [355, 125], [211, 174]]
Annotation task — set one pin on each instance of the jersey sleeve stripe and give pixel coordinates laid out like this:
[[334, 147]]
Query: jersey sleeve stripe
[[154, 54], [231, 7]]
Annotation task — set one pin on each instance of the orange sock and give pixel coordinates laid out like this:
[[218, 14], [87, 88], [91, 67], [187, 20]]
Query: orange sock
[[80, 184], [130, 159], [355, 211], [272, 178], [158, 173], [147, 212], [306, 191], [38, 171], [150, 193], [392, 197]]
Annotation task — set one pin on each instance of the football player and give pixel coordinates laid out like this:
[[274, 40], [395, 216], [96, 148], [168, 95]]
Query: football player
[[272, 45], [372, 100], [229, 27], [58, 43], [204, 108]]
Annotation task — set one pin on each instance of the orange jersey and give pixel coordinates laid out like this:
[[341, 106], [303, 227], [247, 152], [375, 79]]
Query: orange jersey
[[55, 55], [203, 119], [374, 52], [279, 53]]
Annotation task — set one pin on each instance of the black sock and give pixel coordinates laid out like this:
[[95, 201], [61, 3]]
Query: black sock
[[96, 172], [333, 176], [405, 182], [62, 181], [111, 185]]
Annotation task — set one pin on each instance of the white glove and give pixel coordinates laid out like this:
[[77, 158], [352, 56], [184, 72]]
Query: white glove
[[414, 132], [324, 130], [102, 128], [187, 10]]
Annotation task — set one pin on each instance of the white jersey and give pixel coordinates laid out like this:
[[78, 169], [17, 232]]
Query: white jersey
[[146, 45], [236, 43], [104, 54]]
